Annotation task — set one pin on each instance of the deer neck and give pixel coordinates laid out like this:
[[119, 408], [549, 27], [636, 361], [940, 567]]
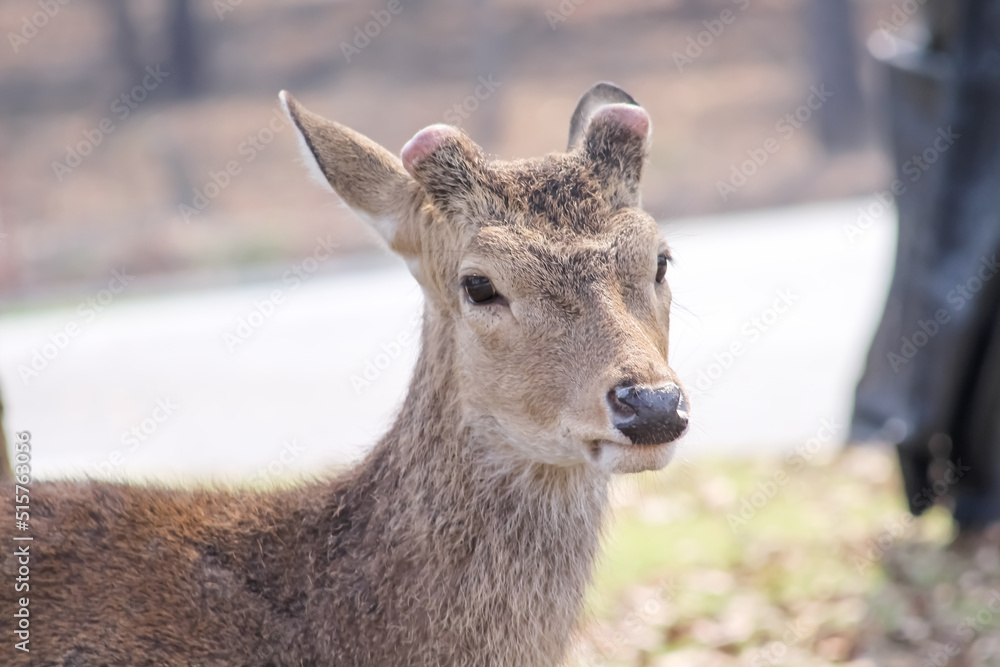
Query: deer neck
[[490, 538]]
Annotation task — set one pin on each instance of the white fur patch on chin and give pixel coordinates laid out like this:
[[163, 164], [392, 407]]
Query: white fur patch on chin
[[626, 459], [308, 159]]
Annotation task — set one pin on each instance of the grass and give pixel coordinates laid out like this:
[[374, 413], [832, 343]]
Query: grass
[[784, 561]]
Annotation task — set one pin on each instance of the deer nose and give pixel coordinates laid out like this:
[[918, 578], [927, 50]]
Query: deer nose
[[649, 415]]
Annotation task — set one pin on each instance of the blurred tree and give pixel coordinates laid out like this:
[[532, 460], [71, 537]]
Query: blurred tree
[[126, 45], [832, 45], [932, 379], [941, 24], [184, 53], [185, 49]]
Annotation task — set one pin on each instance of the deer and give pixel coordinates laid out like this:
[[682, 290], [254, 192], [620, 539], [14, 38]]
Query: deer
[[468, 534]]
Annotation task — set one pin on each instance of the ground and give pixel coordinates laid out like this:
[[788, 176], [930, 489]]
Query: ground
[[822, 565]]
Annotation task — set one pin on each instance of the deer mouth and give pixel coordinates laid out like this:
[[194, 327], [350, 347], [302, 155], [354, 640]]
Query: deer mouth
[[616, 457]]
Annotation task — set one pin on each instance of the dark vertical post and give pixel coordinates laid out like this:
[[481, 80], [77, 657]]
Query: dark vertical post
[[833, 50], [185, 49]]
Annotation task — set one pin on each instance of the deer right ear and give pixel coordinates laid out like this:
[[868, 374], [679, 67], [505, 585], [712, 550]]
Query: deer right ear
[[369, 179], [599, 95], [612, 132]]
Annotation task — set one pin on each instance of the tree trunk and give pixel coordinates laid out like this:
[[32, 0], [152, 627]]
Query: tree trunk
[[835, 65], [185, 52]]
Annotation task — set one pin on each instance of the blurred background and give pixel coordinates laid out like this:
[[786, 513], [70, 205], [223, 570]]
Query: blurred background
[[145, 137], [223, 63], [178, 300]]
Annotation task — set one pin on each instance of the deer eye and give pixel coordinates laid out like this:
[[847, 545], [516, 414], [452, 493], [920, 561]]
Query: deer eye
[[661, 267], [480, 289]]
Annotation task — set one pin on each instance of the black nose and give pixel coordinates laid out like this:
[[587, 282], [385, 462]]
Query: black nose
[[649, 415]]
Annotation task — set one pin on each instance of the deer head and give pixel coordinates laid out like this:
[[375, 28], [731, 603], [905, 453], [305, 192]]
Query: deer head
[[545, 276]]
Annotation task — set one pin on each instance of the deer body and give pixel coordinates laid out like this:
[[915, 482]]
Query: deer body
[[467, 535]]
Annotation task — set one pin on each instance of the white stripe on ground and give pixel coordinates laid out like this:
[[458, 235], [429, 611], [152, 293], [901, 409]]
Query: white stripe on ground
[[285, 401]]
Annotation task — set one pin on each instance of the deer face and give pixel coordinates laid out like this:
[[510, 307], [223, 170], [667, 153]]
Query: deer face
[[546, 274]]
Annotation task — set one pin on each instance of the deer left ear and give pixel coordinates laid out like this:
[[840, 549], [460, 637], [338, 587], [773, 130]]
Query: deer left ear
[[369, 179], [445, 162]]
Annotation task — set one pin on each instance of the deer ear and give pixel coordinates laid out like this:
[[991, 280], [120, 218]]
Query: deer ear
[[369, 179], [612, 133], [599, 95], [425, 143], [444, 161]]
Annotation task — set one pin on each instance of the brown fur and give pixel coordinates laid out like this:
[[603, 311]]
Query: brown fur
[[467, 535]]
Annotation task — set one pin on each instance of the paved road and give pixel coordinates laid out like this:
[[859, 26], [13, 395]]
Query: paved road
[[773, 312]]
